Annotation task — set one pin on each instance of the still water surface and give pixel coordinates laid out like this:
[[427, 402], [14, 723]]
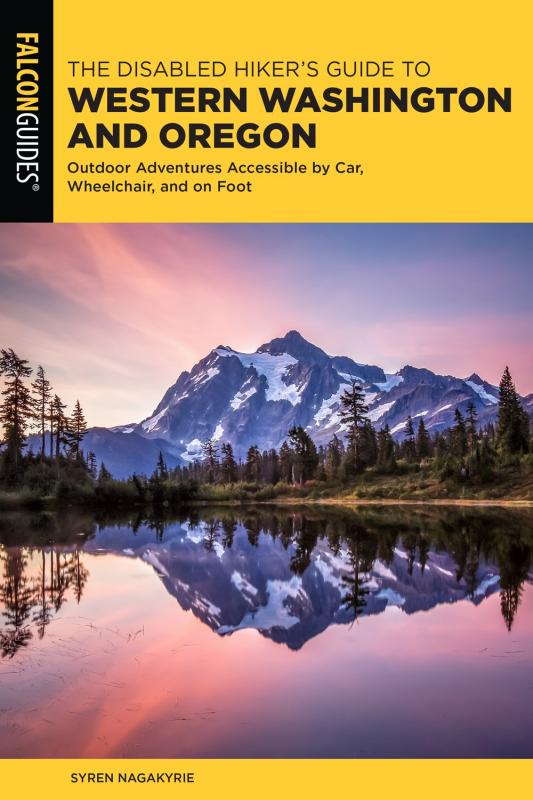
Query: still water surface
[[392, 632]]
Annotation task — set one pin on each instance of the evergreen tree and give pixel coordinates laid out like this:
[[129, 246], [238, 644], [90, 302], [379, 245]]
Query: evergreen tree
[[368, 445], [252, 466], [92, 465], [441, 447], [42, 392], [210, 459], [140, 486], [423, 444], [485, 460], [489, 432], [333, 459], [352, 413], [104, 476], [459, 436], [409, 444], [386, 457], [285, 463], [51, 423], [471, 427], [157, 494], [74, 431], [17, 407], [161, 468], [228, 465], [271, 472], [506, 407], [513, 423], [58, 424], [305, 456], [320, 473]]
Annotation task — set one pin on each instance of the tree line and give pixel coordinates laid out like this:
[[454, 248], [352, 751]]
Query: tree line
[[464, 452], [35, 407]]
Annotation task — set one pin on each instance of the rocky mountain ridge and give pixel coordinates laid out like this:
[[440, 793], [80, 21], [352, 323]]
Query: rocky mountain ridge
[[255, 398]]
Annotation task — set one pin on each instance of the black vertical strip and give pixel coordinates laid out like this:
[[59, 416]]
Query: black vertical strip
[[26, 125]]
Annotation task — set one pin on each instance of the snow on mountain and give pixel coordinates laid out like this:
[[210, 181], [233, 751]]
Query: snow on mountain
[[150, 424], [276, 611], [400, 426], [193, 451], [274, 368], [482, 392], [323, 416], [379, 411], [255, 398], [391, 383], [241, 397]]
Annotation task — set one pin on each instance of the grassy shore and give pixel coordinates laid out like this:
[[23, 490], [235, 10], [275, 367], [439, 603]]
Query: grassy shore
[[510, 486], [409, 485]]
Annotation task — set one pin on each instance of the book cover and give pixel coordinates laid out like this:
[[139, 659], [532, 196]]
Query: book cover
[[266, 374]]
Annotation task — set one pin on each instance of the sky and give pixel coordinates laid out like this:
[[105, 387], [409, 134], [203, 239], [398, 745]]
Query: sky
[[114, 313]]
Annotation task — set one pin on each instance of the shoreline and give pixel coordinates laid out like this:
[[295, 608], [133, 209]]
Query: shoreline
[[46, 505], [301, 501], [430, 502]]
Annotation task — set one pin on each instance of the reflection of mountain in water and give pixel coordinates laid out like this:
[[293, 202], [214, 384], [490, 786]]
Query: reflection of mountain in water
[[289, 574], [254, 585]]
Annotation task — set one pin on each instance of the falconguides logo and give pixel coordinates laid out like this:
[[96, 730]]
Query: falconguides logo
[[28, 109]]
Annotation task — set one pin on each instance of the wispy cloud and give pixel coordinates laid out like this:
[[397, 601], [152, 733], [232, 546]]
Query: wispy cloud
[[115, 312]]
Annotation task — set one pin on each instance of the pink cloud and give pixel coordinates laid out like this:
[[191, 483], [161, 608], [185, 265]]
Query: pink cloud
[[116, 312]]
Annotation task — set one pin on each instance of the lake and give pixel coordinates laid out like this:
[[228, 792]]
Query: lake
[[401, 631]]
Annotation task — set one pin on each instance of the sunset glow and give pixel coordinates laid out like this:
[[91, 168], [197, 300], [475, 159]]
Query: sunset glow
[[115, 312]]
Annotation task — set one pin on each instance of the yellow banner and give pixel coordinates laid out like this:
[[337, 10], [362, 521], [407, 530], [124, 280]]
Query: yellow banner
[[240, 780], [292, 112]]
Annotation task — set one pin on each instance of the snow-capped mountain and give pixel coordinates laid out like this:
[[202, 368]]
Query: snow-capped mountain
[[254, 398], [258, 586]]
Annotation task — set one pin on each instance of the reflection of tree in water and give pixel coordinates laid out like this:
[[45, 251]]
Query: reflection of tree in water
[[361, 554], [34, 599], [509, 602], [79, 573], [229, 526], [33, 592], [465, 548], [158, 526], [286, 531], [409, 542], [253, 527], [211, 534], [503, 540], [423, 551], [305, 538], [17, 597], [43, 614], [514, 562]]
